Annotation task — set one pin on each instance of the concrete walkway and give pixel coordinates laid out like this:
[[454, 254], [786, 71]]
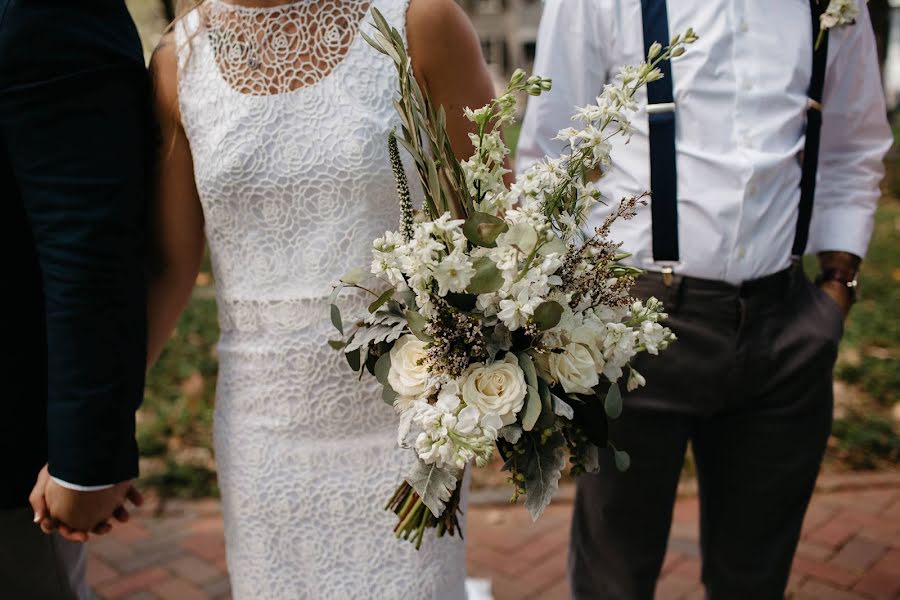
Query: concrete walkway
[[850, 549]]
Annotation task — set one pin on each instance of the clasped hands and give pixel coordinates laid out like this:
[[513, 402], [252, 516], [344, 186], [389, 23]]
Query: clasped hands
[[77, 515]]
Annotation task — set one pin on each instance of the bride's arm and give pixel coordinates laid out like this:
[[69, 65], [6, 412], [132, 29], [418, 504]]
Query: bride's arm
[[176, 214], [448, 62]]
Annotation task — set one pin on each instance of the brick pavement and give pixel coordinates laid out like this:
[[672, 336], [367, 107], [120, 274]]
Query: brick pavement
[[850, 549]]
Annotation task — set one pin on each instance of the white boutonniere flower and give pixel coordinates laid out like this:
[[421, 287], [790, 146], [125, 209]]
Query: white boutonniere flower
[[838, 14]]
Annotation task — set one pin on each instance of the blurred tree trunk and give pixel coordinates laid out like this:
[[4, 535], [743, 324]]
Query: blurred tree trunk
[[880, 11]]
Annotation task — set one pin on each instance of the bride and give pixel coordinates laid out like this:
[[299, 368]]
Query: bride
[[274, 118]]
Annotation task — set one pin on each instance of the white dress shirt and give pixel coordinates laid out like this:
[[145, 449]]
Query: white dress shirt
[[741, 97]]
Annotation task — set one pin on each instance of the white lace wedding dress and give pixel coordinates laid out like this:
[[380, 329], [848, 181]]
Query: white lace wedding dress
[[287, 111]]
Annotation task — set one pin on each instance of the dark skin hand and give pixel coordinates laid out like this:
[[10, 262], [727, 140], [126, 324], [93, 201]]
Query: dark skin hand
[[846, 263]]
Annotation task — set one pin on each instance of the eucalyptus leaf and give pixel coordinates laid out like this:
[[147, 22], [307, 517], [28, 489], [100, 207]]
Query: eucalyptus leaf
[[548, 417], [623, 460], [353, 359], [388, 395], [337, 344], [487, 279], [417, 324], [434, 485], [547, 315], [527, 366], [381, 300], [483, 229], [499, 340], [532, 409], [382, 368], [613, 402], [542, 466], [336, 318]]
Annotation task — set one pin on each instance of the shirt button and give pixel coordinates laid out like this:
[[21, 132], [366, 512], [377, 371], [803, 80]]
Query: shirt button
[[746, 85], [744, 27], [753, 189], [741, 252]]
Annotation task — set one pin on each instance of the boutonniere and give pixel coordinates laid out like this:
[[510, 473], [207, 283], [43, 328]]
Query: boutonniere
[[838, 14]]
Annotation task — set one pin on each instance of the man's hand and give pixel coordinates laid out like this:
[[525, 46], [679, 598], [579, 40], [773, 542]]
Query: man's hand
[[839, 293], [78, 514], [844, 266]]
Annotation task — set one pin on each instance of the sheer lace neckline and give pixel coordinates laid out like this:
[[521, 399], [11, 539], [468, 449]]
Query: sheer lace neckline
[[281, 49]]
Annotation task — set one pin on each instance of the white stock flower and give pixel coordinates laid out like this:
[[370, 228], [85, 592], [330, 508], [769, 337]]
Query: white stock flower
[[453, 434], [618, 349], [635, 380], [408, 375], [496, 390], [653, 336], [453, 273], [574, 369], [516, 311]]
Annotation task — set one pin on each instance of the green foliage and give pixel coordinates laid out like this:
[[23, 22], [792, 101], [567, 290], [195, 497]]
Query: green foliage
[[872, 338], [180, 480], [865, 441]]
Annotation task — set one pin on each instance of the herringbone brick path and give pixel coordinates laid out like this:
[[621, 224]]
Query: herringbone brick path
[[850, 549]]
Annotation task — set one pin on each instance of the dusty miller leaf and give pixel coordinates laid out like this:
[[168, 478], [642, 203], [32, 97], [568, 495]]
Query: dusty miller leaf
[[563, 408], [511, 433], [434, 485], [542, 466]]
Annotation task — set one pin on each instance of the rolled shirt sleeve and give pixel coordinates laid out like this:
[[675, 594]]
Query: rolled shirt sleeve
[[855, 137]]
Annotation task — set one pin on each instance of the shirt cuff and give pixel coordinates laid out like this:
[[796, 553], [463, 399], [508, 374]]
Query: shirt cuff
[[81, 488]]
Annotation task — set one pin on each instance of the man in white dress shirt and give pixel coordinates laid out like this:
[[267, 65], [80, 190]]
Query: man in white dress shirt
[[749, 383]]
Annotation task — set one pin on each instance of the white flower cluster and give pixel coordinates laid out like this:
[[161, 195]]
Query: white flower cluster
[[601, 342], [838, 13], [463, 424]]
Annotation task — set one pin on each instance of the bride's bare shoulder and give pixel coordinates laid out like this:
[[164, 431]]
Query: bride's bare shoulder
[[438, 29], [164, 74]]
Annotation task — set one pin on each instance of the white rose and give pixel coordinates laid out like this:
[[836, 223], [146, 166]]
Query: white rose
[[574, 369], [591, 335], [498, 389], [409, 374]]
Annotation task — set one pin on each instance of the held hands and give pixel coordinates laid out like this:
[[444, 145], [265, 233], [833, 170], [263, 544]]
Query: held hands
[[77, 514]]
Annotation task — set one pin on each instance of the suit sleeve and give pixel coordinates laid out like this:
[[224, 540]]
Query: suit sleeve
[[79, 147]]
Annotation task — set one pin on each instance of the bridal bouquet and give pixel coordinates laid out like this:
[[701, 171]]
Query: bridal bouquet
[[496, 325]]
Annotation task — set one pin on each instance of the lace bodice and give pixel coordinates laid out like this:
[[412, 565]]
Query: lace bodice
[[287, 112]]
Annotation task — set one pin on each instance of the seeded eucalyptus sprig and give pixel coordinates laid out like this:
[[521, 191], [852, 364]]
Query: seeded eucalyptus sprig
[[442, 178], [406, 208]]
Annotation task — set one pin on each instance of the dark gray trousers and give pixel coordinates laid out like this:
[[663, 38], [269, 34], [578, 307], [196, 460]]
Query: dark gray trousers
[[34, 566], [749, 385]]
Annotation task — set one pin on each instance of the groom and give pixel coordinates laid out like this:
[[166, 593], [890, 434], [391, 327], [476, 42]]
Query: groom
[[74, 124], [735, 132]]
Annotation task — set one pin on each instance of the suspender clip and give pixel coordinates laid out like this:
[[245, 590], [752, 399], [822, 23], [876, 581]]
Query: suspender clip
[[815, 105], [663, 107]]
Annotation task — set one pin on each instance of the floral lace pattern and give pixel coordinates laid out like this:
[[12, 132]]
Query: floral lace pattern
[[287, 111]]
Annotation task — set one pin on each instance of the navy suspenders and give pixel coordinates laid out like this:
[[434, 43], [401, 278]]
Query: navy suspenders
[[661, 116], [813, 134]]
